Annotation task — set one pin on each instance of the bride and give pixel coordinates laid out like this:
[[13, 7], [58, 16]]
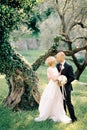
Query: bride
[[51, 103]]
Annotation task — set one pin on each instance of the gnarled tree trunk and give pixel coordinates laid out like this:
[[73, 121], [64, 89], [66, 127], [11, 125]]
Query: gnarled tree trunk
[[23, 86], [23, 81]]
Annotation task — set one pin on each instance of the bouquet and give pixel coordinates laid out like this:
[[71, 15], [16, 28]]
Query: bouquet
[[62, 80]]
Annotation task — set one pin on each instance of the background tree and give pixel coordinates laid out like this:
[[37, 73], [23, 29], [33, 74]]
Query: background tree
[[70, 19]]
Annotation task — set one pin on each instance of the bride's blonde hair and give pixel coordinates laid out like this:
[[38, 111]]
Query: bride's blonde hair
[[50, 61]]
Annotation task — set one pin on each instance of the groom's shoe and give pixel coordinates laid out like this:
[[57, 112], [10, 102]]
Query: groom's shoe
[[74, 120]]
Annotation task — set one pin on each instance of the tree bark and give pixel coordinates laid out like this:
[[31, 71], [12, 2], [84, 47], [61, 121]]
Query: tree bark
[[52, 51], [23, 86], [21, 77]]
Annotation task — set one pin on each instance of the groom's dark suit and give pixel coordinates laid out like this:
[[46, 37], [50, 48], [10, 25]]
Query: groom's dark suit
[[68, 72]]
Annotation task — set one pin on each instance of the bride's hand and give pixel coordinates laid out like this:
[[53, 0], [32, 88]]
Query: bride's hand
[[59, 83]]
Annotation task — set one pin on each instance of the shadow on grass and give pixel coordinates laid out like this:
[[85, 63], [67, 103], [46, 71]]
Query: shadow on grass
[[5, 118], [31, 125], [28, 123]]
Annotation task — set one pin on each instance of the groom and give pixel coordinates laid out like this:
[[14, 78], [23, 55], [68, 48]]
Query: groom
[[65, 69]]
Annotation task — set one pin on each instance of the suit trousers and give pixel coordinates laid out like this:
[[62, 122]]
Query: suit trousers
[[68, 103]]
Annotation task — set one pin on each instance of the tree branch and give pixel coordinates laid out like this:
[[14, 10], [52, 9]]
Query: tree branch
[[79, 38], [53, 51], [65, 4], [66, 40], [72, 52], [77, 23], [58, 9]]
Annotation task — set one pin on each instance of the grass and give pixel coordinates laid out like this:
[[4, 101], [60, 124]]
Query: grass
[[24, 120]]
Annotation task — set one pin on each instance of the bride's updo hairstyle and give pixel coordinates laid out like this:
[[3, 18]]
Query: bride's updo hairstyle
[[50, 61]]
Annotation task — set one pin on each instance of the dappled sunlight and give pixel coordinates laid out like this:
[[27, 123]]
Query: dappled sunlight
[[74, 126], [74, 83], [79, 90], [29, 123], [23, 123], [83, 100], [3, 87], [78, 83], [42, 87], [2, 76]]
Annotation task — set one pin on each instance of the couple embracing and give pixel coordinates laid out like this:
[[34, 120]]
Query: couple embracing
[[57, 94]]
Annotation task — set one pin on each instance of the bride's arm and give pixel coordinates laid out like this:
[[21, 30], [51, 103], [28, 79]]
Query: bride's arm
[[51, 75]]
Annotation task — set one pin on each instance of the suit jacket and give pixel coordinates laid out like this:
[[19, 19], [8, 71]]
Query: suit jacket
[[68, 72]]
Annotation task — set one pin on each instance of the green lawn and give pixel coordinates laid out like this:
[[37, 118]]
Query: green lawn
[[24, 120]]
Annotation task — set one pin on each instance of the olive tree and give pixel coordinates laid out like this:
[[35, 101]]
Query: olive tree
[[21, 79], [69, 20]]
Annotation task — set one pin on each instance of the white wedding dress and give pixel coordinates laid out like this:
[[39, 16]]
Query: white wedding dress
[[51, 103]]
